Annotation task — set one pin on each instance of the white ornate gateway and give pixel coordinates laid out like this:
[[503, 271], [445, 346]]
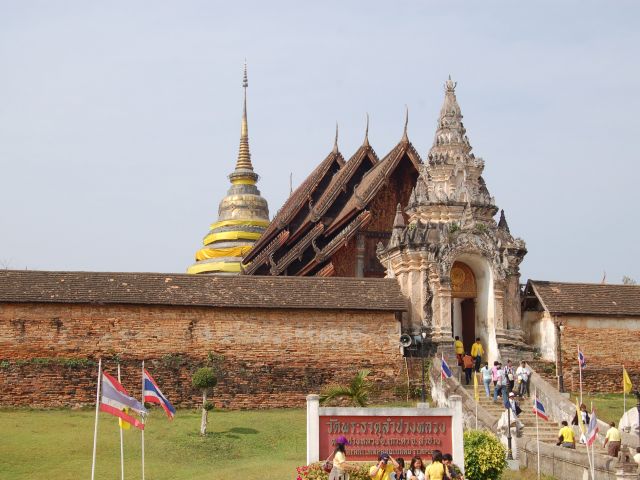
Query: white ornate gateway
[[459, 267]]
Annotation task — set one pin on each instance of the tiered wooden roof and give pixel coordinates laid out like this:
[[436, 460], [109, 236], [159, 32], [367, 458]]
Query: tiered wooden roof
[[327, 210]]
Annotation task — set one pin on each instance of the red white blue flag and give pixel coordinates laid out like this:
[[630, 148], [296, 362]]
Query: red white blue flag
[[581, 360], [153, 394], [538, 409], [592, 430], [116, 400], [446, 371]]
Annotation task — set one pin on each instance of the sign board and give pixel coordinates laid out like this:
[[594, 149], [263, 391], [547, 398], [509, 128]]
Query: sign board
[[398, 435], [402, 432]]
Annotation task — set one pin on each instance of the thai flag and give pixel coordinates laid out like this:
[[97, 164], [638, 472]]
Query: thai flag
[[115, 399], [538, 409], [581, 360], [592, 430], [153, 394], [446, 371]]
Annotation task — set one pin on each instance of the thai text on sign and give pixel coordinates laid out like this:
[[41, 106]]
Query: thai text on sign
[[401, 436]]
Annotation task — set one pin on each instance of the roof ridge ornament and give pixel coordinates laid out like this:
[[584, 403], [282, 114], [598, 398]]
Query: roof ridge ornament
[[450, 85], [405, 136], [335, 142], [366, 133]]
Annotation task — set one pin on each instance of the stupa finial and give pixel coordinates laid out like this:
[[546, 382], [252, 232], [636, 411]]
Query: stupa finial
[[244, 155]]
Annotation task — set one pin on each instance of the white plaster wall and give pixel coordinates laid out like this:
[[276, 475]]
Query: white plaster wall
[[595, 322], [485, 303], [540, 332], [457, 317]]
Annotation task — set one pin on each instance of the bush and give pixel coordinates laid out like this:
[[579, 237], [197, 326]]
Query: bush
[[485, 457], [204, 379]]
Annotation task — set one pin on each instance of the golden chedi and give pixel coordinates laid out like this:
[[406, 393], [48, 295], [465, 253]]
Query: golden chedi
[[243, 214]]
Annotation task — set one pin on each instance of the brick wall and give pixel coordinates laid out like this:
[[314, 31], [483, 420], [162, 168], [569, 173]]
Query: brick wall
[[606, 350], [265, 357]]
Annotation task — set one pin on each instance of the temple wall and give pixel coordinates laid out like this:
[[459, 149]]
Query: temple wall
[[607, 343], [265, 358]]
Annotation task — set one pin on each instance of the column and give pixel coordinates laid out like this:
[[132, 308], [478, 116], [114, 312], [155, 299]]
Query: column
[[455, 403], [313, 429]]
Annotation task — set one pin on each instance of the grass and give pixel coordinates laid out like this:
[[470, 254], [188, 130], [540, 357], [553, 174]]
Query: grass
[[609, 406], [57, 445], [252, 445]]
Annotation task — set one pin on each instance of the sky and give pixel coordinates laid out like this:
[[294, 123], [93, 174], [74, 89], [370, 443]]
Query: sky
[[120, 120]]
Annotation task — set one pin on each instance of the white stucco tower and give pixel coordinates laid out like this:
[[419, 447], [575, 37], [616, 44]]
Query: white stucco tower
[[458, 266]]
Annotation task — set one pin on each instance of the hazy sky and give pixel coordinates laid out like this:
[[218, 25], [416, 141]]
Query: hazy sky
[[120, 120]]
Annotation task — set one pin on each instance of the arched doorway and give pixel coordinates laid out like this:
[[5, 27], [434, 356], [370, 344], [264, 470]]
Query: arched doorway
[[463, 303]]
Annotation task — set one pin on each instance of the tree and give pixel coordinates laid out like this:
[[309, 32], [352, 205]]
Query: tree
[[628, 280], [357, 391], [204, 380]]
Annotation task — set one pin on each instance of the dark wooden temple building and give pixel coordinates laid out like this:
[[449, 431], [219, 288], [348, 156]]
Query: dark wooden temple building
[[331, 224]]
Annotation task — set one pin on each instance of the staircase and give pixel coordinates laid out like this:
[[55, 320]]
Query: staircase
[[548, 431]]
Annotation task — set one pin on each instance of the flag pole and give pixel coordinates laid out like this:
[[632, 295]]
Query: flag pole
[[121, 436], [143, 420], [95, 428], [624, 395], [535, 400]]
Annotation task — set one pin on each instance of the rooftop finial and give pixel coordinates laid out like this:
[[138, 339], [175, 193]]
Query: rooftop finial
[[335, 142], [245, 82], [450, 85], [405, 135], [366, 133]]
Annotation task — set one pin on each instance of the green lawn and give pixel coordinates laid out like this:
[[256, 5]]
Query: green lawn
[[252, 445], [57, 445], [609, 406]]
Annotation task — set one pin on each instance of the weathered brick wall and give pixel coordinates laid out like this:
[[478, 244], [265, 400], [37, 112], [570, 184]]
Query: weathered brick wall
[[606, 350], [266, 358]]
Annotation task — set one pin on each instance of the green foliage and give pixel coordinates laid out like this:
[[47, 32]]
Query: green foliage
[[5, 364], [204, 379], [485, 457], [481, 228], [315, 472], [454, 227], [357, 391], [173, 360], [46, 361], [208, 406]]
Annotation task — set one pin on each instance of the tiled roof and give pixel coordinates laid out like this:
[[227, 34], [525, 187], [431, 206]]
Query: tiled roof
[[587, 298], [27, 286]]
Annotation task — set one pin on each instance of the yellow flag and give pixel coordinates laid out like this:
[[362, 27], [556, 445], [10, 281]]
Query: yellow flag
[[579, 413], [626, 382], [476, 394], [124, 425]]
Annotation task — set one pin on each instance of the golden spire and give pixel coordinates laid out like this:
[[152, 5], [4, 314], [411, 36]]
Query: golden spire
[[244, 155]]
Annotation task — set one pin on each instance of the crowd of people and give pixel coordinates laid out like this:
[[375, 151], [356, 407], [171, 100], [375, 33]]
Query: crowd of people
[[389, 468]]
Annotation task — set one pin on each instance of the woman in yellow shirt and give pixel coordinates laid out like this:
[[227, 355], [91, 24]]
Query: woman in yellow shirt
[[340, 466], [435, 471]]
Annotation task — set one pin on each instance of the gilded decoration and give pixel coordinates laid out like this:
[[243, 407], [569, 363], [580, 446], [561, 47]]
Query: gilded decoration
[[463, 281]]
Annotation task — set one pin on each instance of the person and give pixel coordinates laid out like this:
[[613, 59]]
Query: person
[[613, 439], [435, 471], [522, 375], [585, 421], [476, 352], [459, 350], [383, 469], [468, 367], [513, 404], [416, 469], [339, 470], [452, 470], [486, 378], [565, 436], [497, 374], [510, 373], [636, 457], [398, 472]]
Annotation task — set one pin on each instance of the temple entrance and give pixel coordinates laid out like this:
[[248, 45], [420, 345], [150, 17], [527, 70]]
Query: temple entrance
[[463, 303]]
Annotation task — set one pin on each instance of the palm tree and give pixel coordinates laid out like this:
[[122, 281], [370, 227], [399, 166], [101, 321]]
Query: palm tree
[[357, 391]]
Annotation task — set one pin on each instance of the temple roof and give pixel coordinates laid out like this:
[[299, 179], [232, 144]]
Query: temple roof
[[316, 293], [564, 298]]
